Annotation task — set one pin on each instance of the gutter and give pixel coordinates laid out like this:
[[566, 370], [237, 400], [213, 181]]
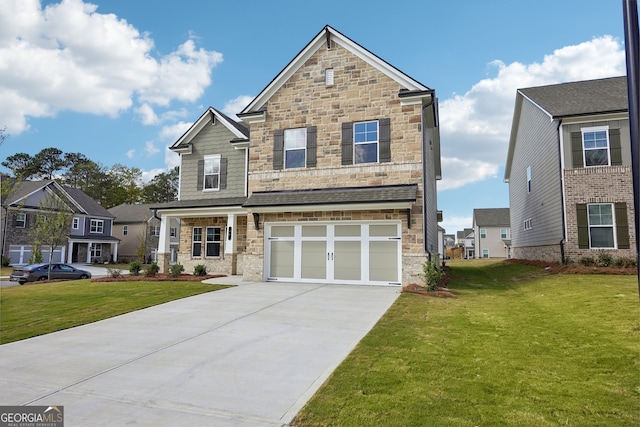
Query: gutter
[[431, 103], [562, 205]]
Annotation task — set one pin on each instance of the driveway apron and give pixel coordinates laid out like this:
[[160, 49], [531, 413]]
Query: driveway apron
[[251, 355]]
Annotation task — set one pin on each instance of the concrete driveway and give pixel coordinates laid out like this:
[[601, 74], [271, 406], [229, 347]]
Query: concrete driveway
[[251, 355]]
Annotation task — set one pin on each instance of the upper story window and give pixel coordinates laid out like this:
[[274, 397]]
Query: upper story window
[[125, 230], [595, 143], [483, 233], [503, 233], [75, 223], [173, 231], [601, 225], [97, 226], [155, 230], [21, 220], [529, 179], [211, 173], [365, 142], [295, 148]]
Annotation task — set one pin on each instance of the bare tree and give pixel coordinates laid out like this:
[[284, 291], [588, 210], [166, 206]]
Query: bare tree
[[52, 224]]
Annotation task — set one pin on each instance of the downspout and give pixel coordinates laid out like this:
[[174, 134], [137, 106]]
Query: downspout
[[562, 207], [424, 175]]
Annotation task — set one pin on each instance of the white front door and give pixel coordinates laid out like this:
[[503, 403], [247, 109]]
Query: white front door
[[345, 252]]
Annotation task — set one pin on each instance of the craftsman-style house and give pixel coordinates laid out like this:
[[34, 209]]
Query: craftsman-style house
[[569, 172], [90, 239], [334, 183]]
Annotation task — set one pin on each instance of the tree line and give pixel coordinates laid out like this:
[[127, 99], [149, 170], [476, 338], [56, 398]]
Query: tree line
[[109, 186]]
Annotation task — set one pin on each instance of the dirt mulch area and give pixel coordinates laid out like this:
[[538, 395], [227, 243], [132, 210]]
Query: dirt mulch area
[[159, 277], [421, 290], [576, 268]]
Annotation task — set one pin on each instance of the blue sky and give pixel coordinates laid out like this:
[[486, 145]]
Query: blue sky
[[120, 81]]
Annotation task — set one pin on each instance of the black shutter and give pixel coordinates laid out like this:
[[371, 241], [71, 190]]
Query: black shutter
[[622, 226], [223, 173], [384, 139], [615, 147], [200, 177], [347, 143], [278, 149], [312, 136], [583, 226], [576, 149]]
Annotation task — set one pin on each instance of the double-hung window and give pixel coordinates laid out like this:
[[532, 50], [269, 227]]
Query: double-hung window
[[97, 226], [21, 220], [213, 242], [365, 142], [125, 230], [295, 148], [601, 226], [196, 245], [483, 233], [75, 223], [211, 173], [96, 250], [595, 142], [503, 233]]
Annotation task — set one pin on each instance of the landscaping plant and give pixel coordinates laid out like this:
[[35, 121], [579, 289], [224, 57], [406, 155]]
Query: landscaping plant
[[200, 270], [176, 270], [135, 267], [152, 270]]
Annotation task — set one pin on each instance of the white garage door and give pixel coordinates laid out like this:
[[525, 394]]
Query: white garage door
[[345, 252]]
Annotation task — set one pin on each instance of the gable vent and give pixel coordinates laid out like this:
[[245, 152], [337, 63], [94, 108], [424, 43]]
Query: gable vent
[[328, 76]]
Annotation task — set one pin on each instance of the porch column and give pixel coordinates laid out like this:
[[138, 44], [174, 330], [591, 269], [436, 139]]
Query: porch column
[[164, 244], [115, 252], [230, 235], [70, 254], [89, 247]]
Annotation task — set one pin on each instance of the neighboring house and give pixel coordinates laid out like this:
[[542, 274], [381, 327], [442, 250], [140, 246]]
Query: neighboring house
[[449, 241], [137, 227], [90, 238], [569, 172], [492, 233], [466, 239], [343, 157]]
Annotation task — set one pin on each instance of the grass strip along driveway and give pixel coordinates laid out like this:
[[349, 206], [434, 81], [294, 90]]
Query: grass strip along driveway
[[516, 347], [30, 310]]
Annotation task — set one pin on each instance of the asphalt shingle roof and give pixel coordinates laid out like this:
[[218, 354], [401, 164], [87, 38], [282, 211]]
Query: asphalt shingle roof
[[581, 98], [131, 213], [388, 193], [201, 203], [492, 217]]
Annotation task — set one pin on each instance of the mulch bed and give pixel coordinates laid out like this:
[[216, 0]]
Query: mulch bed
[[159, 277], [576, 268]]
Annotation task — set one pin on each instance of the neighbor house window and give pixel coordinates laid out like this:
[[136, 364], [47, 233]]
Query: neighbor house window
[[529, 179], [125, 230], [97, 226], [213, 242], [295, 148], [21, 220], [211, 173], [503, 233], [527, 224], [75, 223], [365, 142], [483, 233], [96, 249], [595, 142], [155, 230], [173, 231], [196, 246], [601, 225], [485, 253]]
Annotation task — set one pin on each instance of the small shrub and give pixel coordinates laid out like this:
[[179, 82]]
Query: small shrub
[[36, 257], [587, 261], [431, 275], [605, 259], [176, 270], [135, 267], [152, 270], [566, 260], [625, 262], [6, 261], [114, 272], [200, 270]]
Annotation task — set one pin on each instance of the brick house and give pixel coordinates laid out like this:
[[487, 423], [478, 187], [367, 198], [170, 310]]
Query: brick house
[[342, 160], [569, 172], [90, 238]]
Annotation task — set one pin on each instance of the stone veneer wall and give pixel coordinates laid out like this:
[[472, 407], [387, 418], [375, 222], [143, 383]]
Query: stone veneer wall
[[550, 253], [359, 93], [611, 184]]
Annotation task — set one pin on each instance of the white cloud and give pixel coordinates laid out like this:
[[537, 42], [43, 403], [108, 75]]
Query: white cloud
[[68, 56], [150, 148], [475, 127], [456, 223], [147, 115], [234, 106], [171, 133], [131, 153]]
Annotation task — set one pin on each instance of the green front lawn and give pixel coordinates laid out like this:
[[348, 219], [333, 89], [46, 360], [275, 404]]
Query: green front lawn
[[36, 309], [517, 347]]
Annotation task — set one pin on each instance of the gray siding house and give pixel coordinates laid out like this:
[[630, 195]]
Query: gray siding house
[[569, 171], [492, 233], [90, 239]]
